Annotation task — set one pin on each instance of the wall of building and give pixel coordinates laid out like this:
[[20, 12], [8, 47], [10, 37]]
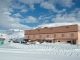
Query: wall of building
[[59, 36], [63, 29], [63, 33]]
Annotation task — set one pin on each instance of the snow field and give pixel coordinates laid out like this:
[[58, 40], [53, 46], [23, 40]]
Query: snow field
[[16, 51], [44, 49]]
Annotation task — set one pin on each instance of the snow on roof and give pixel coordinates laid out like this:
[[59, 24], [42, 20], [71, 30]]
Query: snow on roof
[[54, 25]]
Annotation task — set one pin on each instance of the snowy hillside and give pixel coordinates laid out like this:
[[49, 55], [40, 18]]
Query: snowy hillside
[[11, 34]]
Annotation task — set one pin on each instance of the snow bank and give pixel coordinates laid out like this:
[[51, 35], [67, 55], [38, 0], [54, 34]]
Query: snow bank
[[48, 49], [44, 51]]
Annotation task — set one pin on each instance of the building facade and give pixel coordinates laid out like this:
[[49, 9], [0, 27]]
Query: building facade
[[69, 33]]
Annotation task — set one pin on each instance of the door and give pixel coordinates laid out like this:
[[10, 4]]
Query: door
[[74, 41]]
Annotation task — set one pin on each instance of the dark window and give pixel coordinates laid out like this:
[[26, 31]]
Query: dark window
[[67, 27], [47, 35], [62, 35], [72, 34], [58, 41], [28, 36], [51, 28], [68, 41], [40, 36]]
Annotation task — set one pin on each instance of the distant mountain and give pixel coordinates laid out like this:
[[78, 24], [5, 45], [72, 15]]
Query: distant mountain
[[11, 34]]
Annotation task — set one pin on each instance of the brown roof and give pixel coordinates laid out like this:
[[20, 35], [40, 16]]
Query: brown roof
[[59, 29]]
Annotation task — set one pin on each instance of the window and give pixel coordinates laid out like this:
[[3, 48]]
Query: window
[[37, 36], [58, 41], [72, 34], [28, 36], [50, 35], [51, 28], [31, 36], [67, 27], [67, 34], [43, 36], [47, 35], [58, 35], [34, 36], [62, 35], [40, 36], [54, 35]]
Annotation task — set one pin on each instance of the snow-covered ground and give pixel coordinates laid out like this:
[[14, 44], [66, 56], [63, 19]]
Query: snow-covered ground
[[45, 51]]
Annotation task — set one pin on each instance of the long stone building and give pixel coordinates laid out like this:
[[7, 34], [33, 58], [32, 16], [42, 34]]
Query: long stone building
[[68, 33]]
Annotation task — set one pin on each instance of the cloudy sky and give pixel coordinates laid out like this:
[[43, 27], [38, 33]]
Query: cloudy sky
[[25, 14]]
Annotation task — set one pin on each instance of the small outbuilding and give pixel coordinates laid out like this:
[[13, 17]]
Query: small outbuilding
[[2, 41]]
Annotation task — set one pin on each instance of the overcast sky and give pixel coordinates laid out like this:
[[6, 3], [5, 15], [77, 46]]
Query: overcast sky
[[26, 14]]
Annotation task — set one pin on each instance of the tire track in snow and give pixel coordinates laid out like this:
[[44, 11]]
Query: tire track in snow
[[36, 49]]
